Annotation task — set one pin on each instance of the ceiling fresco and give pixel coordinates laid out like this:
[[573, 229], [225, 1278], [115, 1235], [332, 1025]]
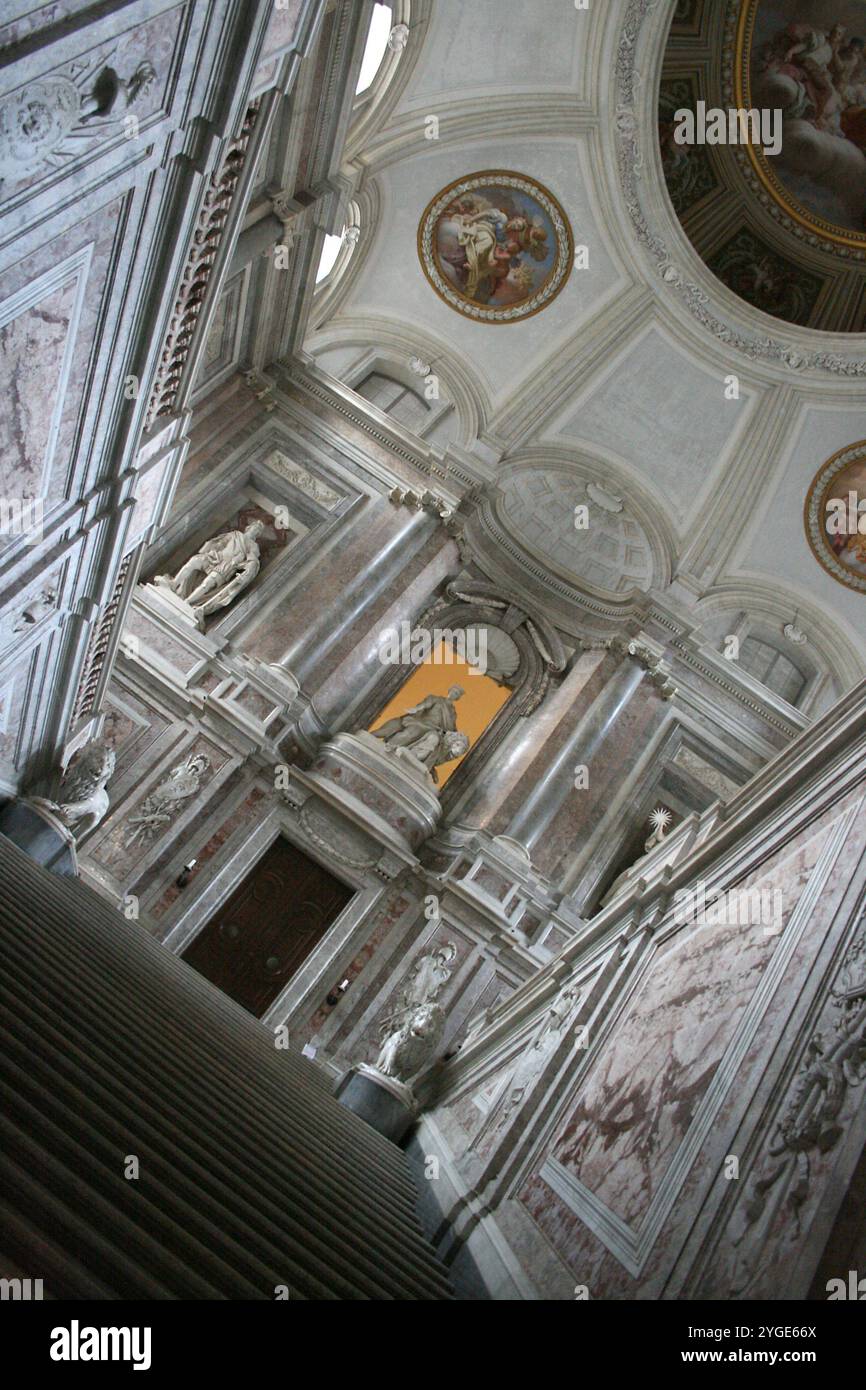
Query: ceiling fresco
[[786, 232], [496, 246], [808, 60], [835, 516]]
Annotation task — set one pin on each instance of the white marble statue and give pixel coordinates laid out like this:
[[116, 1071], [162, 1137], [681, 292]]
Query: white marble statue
[[428, 731], [411, 1045], [412, 1033], [85, 800], [159, 809], [212, 577]]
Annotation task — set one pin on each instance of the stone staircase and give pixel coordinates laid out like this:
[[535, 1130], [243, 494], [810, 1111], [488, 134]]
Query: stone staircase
[[251, 1179]]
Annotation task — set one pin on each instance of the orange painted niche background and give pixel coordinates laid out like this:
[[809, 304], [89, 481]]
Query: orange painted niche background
[[482, 701]]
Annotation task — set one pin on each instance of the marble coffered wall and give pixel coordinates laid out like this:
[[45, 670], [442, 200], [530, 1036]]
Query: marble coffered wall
[[99, 201]]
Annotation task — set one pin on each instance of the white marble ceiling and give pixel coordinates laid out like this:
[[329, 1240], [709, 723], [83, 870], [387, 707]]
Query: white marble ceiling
[[626, 368]]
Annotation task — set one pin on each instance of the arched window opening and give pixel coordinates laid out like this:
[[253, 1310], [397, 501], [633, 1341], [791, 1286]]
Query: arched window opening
[[396, 399], [772, 668], [381, 24], [330, 252]]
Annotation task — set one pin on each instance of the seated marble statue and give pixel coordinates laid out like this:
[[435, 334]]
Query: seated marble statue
[[212, 577], [428, 731]]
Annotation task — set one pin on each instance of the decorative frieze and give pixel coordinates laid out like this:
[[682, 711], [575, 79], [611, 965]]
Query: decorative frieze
[[196, 277], [98, 648]]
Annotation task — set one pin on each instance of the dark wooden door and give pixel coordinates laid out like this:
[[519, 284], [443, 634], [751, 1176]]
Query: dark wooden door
[[254, 944]]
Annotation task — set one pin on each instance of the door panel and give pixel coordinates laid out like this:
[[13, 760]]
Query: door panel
[[256, 942]]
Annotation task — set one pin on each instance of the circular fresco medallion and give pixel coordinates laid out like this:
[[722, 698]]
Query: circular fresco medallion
[[836, 516], [496, 246], [806, 61]]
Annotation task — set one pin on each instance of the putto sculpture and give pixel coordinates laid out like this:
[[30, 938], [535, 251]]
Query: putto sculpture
[[211, 578]]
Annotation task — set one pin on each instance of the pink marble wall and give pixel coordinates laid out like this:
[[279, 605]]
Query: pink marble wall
[[216, 432], [31, 352], [634, 1108], [281, 29], [393, 908], [12, 698], [245, 815], [336, 572]]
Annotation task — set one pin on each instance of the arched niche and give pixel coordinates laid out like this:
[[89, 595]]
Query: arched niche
[[524, 653]]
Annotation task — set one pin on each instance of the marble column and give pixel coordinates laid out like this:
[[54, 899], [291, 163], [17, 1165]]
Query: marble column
[[357, 674], [348, 604], [493, 786], [584, 743]]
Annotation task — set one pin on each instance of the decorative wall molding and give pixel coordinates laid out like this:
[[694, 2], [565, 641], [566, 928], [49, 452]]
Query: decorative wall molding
[[212, 217], [98, 648]]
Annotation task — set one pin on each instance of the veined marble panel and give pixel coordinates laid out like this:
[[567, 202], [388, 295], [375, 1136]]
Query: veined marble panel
[[646, 1086], [705, 1015], [38, 331], [50, 307]]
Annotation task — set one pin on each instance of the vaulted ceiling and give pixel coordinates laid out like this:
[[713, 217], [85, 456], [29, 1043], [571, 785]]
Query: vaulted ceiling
[[625, 377]]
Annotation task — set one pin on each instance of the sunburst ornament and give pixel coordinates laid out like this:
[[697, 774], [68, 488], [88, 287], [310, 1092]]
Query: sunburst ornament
[[659, 822]]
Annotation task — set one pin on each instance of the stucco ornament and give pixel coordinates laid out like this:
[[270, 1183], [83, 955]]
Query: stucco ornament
[[160, 808], [212, 577], [41, 122], [532, 1060], [398, 38], [659, 822]]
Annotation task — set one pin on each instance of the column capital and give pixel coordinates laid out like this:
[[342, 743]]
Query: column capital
[[643, 654]]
